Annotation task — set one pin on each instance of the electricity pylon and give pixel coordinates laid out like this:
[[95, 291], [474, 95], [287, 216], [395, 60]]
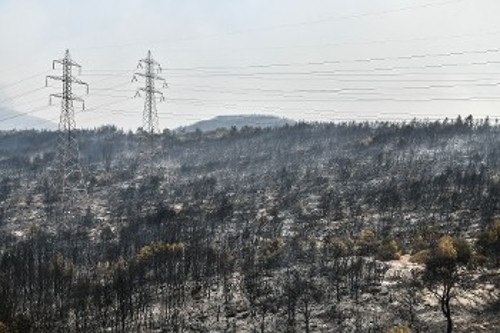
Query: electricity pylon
[[150, 123], [67, 177]]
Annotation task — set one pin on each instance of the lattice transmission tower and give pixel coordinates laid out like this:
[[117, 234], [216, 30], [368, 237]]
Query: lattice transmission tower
[[67, 178], [150, 122]]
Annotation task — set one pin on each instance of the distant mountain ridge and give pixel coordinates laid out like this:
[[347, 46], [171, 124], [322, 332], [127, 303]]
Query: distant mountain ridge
[[10, 119], [238, 121]]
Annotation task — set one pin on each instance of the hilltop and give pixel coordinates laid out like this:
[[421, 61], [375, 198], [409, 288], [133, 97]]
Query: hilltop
[[10, 119], [238, 121]]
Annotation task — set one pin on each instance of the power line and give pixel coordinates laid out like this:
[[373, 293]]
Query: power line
[[323, 100], [282, 26], [338, 44], [11, 98], [22, 114], [342, 72], [248, 91], [342, 61], [210, 69], [12, 84]]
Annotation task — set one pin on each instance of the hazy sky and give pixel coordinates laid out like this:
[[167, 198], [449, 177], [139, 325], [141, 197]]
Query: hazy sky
[[307, 60]]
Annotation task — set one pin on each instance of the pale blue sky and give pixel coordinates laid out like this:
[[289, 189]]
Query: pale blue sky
[[217, 55]]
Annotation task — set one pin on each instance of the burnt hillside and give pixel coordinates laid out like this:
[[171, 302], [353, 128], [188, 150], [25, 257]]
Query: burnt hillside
[[303, 228]]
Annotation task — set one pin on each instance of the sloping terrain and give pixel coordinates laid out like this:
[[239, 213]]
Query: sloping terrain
[[10, 120], [305, 228]]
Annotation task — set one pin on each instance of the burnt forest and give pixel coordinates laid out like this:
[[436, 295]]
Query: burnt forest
[[311, 227]]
